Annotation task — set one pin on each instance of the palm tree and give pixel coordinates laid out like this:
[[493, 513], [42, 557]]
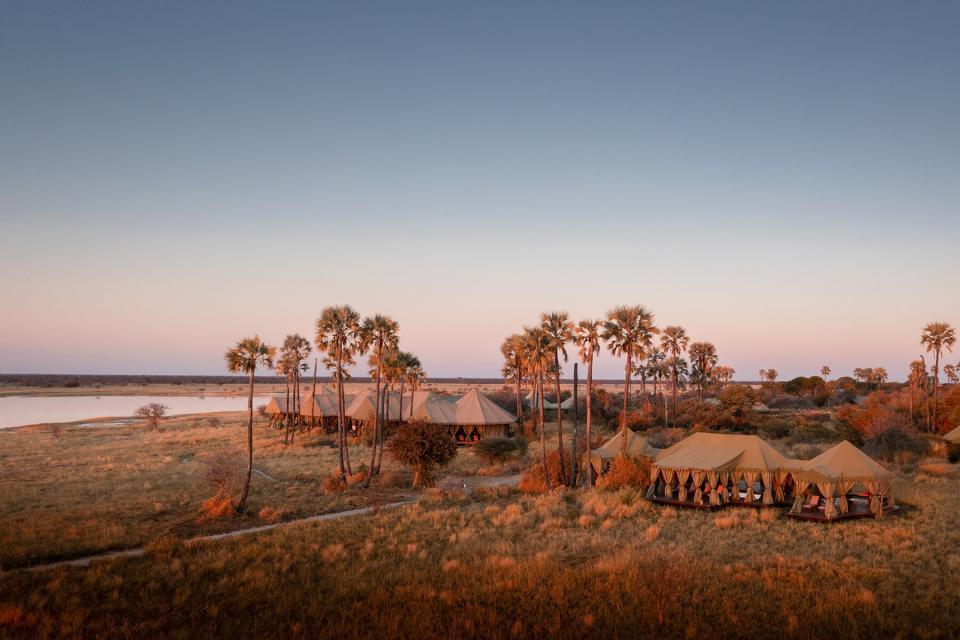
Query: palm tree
[[338, 333], [825, 372], [628, 331], [657, 372], [294, 351], [674, 341], [379, 333], [723, 374], [415, 376], [936, 337], [245, 357], [586, 335], [539, 355], [916, 379], [512, 350], [950, 371], [405, 362], [558, 328], [703, 355]]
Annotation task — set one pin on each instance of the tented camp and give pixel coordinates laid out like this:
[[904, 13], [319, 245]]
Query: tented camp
[[320, 408], [637, 446], [841, 482], [709, 470], [712, 470], [278, 407], [953, 437], [565, 405], [362, 409], [468, 420]]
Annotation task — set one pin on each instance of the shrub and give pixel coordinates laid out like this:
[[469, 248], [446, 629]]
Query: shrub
[[493, 450], [953, 454], [533, 481], [153, 413], [626, 472], [423, 447]]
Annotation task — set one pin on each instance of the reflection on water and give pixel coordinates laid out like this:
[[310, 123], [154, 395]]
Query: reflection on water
[[20, 410]]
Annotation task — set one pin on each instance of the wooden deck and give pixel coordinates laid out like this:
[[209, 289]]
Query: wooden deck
[[817, 516]]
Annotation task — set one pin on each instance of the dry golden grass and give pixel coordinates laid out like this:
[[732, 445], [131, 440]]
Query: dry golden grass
[[84, 490], [500, 564]]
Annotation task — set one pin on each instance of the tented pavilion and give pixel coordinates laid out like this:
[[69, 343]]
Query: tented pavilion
[[468, 420], [278, 408], [637, 446], [710, 470], [842, 482], [320, 408], [362, 410]]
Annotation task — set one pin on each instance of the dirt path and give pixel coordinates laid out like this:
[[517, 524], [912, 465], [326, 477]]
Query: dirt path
[[450, 482]]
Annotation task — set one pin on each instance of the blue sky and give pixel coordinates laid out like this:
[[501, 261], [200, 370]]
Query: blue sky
[[780, 180]]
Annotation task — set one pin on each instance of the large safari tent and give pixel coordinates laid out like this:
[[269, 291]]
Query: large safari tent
[[713, 470]]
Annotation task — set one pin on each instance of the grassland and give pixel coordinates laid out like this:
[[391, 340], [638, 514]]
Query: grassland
[[494, 563], [501, 564]]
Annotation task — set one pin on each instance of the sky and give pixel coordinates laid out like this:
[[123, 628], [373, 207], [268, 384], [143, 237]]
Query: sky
[[780, 179]]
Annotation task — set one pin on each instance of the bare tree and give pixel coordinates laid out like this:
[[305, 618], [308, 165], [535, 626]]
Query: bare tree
[[153, 413]]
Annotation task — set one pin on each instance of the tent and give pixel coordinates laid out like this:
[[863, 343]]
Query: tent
[[321, 405], [278, 405], [718, 464], [953, 437], [363, 406], [469, 419], [637, 446], [836, 473], [565, 405]]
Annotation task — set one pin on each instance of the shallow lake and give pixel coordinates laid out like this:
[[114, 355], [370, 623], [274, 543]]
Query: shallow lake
[[21, 410]]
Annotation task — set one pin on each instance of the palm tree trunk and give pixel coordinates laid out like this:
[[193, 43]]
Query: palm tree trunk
[[543, 437], [313, 393], [589, 419], [556, 385], [643, 390], [246, 482], [626, 405], [675, 393], [286, 411], [376, 422], [573, 438], [402, 385], [519, 403], [934, 426]]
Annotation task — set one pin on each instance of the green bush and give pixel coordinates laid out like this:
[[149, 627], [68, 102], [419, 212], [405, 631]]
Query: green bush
[[423, 447]]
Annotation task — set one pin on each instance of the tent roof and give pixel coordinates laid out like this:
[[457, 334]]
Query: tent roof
[[325, 403], [846, 460], [278, 404], [476, 408], [721, 452], [436, 410], [637, 445], [953, 436], [363, 406]]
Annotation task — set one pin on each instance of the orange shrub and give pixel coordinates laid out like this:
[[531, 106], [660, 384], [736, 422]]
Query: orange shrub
[[626, 472]]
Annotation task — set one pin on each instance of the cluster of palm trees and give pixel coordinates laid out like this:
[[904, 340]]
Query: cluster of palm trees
[[935, 338], [630, 332], [342, 337]]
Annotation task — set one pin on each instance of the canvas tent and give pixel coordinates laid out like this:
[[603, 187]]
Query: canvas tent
[[637, 446], [321, 407], [277, 407], [469, 419], [711, 469], [847, 480], [362, 409], [953, 437]]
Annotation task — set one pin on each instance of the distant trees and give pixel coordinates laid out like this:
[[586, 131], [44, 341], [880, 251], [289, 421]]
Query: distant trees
[[723, 374], [538, 357], [916, 381], [950, 371], [293, 352], [245, 357], [825, 372], [420, 445], [936, 337], [703, 359], [153, 413]]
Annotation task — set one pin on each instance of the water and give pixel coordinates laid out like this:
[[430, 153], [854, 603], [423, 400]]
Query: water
[[22, 410]]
